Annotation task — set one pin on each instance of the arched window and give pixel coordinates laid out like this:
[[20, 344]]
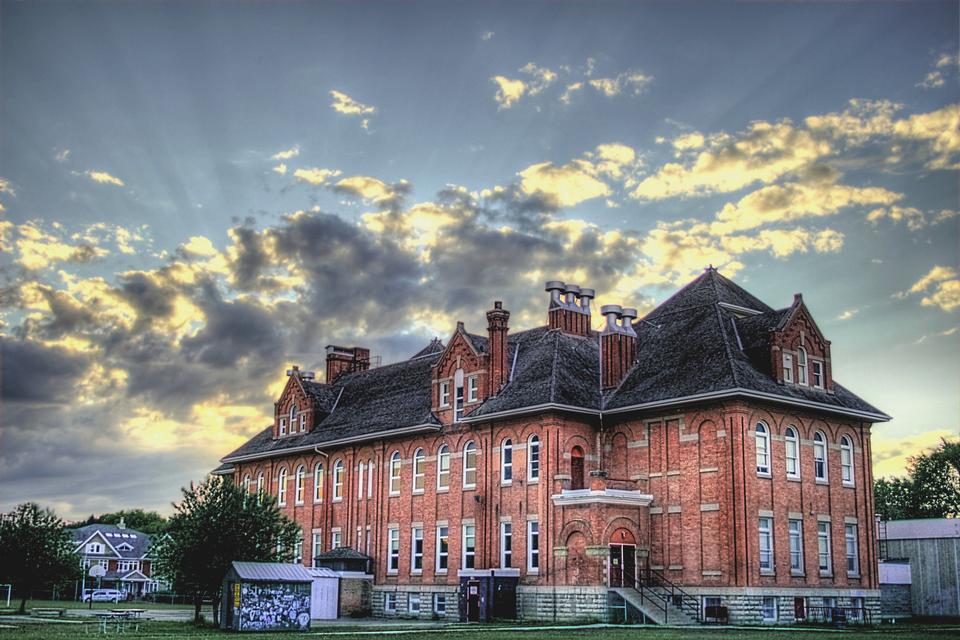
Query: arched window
[[370, 478], [318, 482], [576, 468], [419, 471], [791, 444], [259, 484], [395, 474], [787, 367], [470, 465], [338, 480], [298, 484], [443, 467], [802, 366], [360, 469], [819, 456], [506, 462], [246, 483], [282, 486], [533, 458], [846, 460], [293, 416], [763, 448], [458, 395]]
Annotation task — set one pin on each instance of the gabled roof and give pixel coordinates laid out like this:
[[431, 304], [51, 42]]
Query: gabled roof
[[709, 288], [113, 535]]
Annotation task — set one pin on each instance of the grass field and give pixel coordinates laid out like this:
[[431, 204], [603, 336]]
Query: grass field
[[73, 604], [176, 630]]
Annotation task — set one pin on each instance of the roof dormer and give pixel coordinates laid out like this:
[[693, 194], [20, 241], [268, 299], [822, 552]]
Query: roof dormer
[[461, 379], [799, 353]]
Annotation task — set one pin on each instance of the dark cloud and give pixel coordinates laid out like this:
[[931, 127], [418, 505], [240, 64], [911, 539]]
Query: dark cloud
[[32, 372]]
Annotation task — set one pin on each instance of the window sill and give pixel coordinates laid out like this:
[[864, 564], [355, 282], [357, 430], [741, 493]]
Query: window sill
[[794, 479], [469, 487], [764, 474], [337, 500], [797, 574], [853, 575], [443, 489], [823, 481], [441, 572], [394, 495], [506, 483], [826, 574], [533, 572], [417, 492], [768, 572], [533, 480], [850, 485], [392, 572], [299, 503], [416, 572]]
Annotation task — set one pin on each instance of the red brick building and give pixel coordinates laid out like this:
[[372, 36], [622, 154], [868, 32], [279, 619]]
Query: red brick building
[[548, 473]]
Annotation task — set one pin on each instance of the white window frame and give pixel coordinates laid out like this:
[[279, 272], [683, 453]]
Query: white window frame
[[283, 426], [443, 549], [787, 367], [338, 473], [533, 458], [390, 602], [298, 484], [846, 461], [443, 468], [298, 549], [94, 547], [762, 445], [506, 462], [817, 369], [336, 539], [247, 481], [361, 467], [473, 389], [852, 547], [506, 544], [416, 535], [445, 394], [370, 478], [533, 546], [791, 447], [795, 528], [260, 484], [765, 544], [393, 550], [470, 452], [318, 482], [303, 422], [440, 604], [419, 471], [316, 546], [820, 457], [458, 395], [764, 610], [282, 486], [802, 361], [395, 474], [824, 549], [468, 552], [413, 599]]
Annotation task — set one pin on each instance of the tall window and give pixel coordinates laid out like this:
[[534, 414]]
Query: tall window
[[506, 544], [763, 448], [419, 471], [338, 480], [303, 422], [283, 426], [370, 478], [819, 456], [316, 547], [853, 557], [336, 539], [393, 550], [796, 546], [293, 418], [458, 397], [533, 458], [533, 546], [260, 484], [282, 486], [318, 482], [445, 394], [299, 481], [443, 467], [395, 474], [360, 469], [506, 462], [469, 546], [443, 549], [470, 465], [768, 608], [576, 468], [802, 366], [846, 460], [817, 368], [823, 548], [791, 444], [246, 483], [416, 550], [787, 367], [472, 389], [766, 544], [298, 549]]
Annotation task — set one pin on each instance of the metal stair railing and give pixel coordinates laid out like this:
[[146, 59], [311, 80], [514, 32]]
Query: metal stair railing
[[688, 603], [650, 595]]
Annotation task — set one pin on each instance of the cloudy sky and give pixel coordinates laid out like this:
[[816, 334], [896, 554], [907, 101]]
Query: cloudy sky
[[196, 196]]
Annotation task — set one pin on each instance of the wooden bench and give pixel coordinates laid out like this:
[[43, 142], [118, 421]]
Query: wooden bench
[[48, 612]]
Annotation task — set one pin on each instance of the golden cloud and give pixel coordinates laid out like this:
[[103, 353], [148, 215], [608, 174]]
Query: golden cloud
[[103, 177], [342, 103], [316, 175], [564, 186], [292, 152]]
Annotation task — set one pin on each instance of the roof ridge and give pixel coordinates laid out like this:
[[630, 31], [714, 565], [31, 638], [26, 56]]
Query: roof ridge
[[553, 367], [726, 346]]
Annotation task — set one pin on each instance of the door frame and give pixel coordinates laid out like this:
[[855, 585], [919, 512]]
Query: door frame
[[625, 547]]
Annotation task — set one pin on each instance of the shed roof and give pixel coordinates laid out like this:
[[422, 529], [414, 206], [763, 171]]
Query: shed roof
[[271, 572], [923, 528]]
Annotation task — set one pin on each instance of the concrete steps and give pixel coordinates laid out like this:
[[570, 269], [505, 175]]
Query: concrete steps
[[652, 606]]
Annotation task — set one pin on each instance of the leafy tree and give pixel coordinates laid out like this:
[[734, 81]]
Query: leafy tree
[[146, 521], [35, 551], [216, 523], [930, 490]]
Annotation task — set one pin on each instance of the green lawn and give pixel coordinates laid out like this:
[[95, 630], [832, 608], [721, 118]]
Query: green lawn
[[73, 604], [174, 630]]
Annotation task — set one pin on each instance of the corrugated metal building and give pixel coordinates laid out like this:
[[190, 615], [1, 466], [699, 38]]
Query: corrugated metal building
[[932, 547], [266, 596]]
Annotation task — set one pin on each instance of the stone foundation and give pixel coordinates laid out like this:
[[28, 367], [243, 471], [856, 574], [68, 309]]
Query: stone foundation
[[562, 604], [404, 597], [745, 604]]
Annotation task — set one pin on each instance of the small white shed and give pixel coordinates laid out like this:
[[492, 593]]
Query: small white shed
[[325, 602]]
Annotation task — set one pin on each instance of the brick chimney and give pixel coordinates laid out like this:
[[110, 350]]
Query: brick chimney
[[499, 353], [618, 344], [345, 360], [569, 308]]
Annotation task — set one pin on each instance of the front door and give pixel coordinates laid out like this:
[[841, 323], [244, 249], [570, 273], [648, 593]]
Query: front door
[[473, 601], [623, 565]]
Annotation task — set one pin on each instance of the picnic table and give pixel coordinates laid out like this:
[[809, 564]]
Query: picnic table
[[48, 612], [122, 618]]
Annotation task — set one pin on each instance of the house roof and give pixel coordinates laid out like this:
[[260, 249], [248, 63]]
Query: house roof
[[696, 345], [341, 553], [271, 572], [116, 537], [923, 528]]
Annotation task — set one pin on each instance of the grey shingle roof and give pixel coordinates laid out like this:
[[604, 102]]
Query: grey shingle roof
[[692, 344], [138, 540]]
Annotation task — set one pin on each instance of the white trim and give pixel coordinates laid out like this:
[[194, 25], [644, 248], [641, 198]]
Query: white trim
[[622, 497], [736, 307]]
